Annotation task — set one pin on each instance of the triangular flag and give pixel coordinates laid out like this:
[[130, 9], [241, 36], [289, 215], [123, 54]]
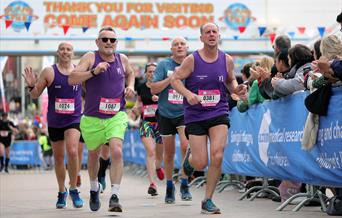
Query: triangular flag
[[65, 28], [301, 29], [165, 38], [8, 23], [84, 29], [128, 38], [321, 30], [262, 29], [27, 25], [329, 29], [242, 29], [235, 37], [291, 34], [272, 37]]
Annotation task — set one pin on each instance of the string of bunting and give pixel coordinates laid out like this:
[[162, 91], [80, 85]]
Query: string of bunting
[[242, 29]]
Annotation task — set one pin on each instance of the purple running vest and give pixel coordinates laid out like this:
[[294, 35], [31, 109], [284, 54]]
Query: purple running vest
[[207, 80], [106, 90], [65, 101]]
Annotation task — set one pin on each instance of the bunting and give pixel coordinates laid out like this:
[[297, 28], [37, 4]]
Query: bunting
[[27, 25], [262, 30], [291, 34], [301, 29], [272, 37], [8, 23], [65, 28], [242, 29], [84, 29], [321, 31]]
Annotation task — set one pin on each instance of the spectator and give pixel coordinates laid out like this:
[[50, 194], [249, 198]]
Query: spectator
[[300, 58]]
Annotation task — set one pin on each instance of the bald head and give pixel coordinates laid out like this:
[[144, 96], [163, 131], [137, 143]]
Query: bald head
[[178, 39], [204, 26], [63, 44], [179, 47]]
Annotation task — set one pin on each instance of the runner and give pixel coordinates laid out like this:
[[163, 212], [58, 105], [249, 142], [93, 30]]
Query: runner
[[104, 121], [206, 73], [6, 129], [149, 133], [170, 116], [64, 112]]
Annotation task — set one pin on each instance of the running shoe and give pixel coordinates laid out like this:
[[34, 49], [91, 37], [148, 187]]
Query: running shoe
[[160, 173], [170, 195], [114, 205], [94, 201], [208, 207], [75, 197], [185, 193], [152, 190], [61, 200]]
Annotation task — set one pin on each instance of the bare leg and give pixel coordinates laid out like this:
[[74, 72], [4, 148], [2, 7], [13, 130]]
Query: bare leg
[[58, 148], [218, 140], [116, 168], [150, 159], [72, 137], [169, 154], [159, 151]]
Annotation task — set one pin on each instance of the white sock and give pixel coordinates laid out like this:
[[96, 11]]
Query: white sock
[[94, 185], [115, 189]]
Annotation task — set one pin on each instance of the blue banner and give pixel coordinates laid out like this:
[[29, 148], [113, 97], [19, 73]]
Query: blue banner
[[25, 153], [133, 150], [265, 141]]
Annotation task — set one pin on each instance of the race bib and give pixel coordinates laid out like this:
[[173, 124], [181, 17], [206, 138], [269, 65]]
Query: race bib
[[109, 106], [4, 133], [150, 110], [174, 97], [209, 97], [65, 105]]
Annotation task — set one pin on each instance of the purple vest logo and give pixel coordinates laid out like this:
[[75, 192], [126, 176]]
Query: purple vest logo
[[21, 14], [237, 15]]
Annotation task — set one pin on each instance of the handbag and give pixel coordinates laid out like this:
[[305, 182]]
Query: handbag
[[318, 101]]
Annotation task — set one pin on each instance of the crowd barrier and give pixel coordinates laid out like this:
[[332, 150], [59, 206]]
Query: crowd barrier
[[265, 141], [134, 151], [25, 153], [29, 153]]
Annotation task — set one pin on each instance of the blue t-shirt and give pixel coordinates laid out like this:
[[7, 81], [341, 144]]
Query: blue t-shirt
[[165, 108]]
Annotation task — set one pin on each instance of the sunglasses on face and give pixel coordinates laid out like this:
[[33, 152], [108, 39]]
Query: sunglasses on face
[[105, 40]]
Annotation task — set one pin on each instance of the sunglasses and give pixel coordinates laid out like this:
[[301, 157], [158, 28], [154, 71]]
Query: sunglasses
[[151, 64], [105, 40]]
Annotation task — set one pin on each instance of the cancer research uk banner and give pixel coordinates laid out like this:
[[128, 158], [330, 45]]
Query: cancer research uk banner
[[265, 141]]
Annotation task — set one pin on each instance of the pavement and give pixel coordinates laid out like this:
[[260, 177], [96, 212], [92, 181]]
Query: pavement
[[33, 194]]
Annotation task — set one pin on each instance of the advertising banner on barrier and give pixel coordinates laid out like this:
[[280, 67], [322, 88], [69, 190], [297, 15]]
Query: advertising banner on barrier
[[265, 141], [133, 150], [25, 153]]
